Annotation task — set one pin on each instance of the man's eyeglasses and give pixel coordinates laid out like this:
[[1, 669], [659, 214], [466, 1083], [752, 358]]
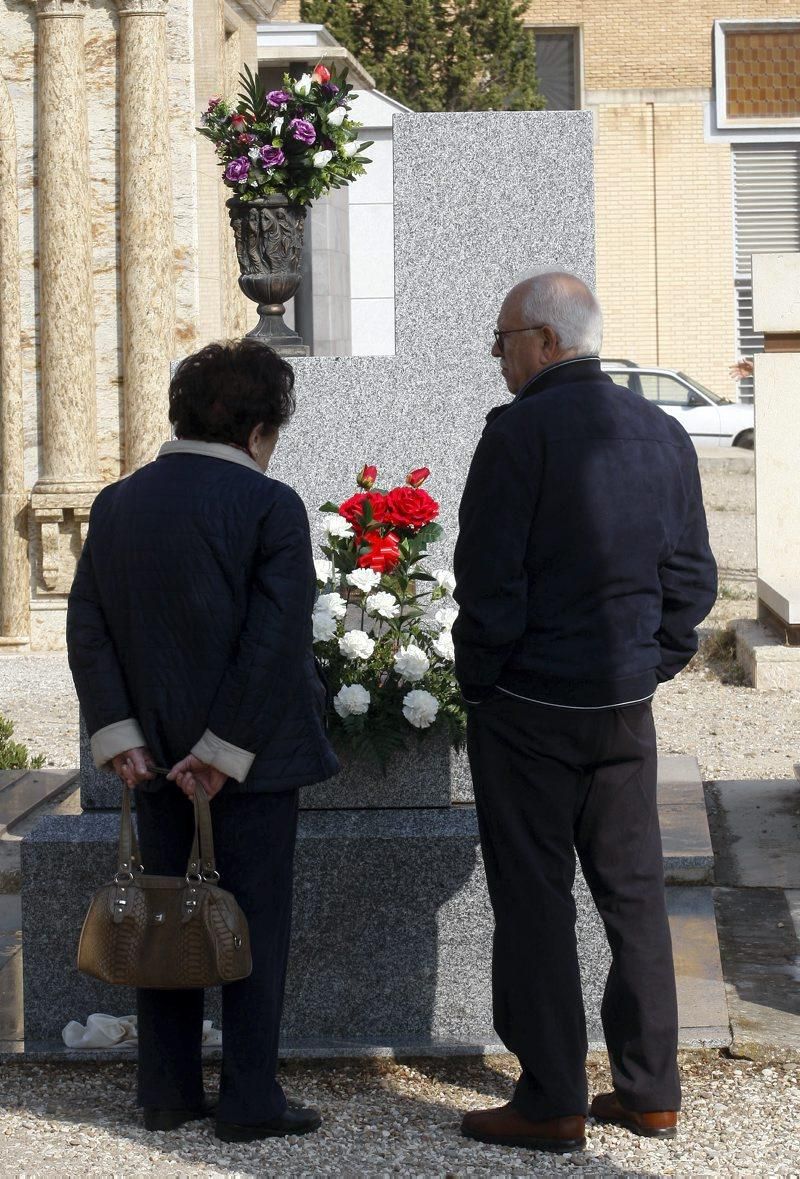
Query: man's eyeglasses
[[498, 335]]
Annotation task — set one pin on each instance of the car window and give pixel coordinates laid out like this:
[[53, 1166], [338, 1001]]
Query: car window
[[623, 379], [664, 389]]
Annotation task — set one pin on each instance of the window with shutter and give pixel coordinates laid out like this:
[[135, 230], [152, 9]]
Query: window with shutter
[[766, 204], [558, 67]]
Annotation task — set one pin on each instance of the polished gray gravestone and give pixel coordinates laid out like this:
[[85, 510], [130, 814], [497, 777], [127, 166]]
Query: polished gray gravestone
[[392, 930]]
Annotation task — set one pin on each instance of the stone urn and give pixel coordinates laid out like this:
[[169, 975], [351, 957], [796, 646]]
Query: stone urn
[[269, 243]]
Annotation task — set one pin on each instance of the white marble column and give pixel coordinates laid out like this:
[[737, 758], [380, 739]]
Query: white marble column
[[14, 574], [148, 280], [68, 479]]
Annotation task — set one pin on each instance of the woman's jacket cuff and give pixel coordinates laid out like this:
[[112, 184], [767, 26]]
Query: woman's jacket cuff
[[228, 759], [117, 738]]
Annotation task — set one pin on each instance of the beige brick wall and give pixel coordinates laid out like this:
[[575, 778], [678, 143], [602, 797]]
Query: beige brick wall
[[665, 240], [289, 10], [628, 44]]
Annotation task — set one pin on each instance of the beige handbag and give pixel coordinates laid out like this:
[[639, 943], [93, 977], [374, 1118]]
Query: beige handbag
[[166, 932]]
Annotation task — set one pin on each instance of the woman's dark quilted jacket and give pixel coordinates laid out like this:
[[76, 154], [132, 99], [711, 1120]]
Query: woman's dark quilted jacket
[[191, 612]]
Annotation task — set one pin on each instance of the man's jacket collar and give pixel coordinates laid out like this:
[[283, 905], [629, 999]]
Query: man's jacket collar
[[565, 372]]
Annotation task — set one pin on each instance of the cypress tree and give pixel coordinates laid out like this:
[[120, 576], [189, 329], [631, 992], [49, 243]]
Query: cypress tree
[[434, 55]]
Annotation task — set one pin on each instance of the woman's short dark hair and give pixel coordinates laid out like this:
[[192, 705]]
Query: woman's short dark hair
[[222, 392]]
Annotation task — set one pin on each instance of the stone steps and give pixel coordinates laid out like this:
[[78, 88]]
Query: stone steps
[[23, 793]]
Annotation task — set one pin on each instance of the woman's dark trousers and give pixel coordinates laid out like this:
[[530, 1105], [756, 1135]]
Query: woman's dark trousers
[[254, 838], [550, 782]]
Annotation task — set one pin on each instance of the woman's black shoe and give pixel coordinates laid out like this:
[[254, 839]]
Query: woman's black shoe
[[295, 1119], [170, 1119]]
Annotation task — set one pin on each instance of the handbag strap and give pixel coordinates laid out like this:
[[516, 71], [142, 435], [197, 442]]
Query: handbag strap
[[129, 856], [201, 859]]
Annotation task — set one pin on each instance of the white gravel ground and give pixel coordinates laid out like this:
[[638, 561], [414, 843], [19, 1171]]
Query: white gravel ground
[[740, 1119]]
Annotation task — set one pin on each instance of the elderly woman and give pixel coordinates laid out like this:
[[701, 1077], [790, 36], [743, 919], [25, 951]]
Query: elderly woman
[[189, 636]]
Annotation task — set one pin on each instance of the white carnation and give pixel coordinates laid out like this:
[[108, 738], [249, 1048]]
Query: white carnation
[[277, 125], [351, 149], [420, 708], [365, 580], [324, 570], [384, 605], [336, 525], [445, 579], [337, 116], [351, 700], [446, 616], [323, 626], [303, 85], [411, 663], [321, 158], [443, 646], [331, 604], [356, 644]]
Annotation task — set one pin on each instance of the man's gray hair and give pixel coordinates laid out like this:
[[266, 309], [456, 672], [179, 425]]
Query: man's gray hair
[[563, 301]]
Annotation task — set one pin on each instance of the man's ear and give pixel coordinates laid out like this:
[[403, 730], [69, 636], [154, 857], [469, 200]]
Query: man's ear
[[550, 339]]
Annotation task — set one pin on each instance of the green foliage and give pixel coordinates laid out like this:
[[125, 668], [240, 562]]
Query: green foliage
[[439, 55], [14, 756]]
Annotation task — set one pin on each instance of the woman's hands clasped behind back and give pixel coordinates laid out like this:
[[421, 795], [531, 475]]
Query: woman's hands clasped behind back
[[134, 766]]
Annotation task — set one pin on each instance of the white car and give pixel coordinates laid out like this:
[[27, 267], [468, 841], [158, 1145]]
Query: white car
[[709, 420]]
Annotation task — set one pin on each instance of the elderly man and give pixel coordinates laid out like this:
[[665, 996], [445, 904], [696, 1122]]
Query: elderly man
[[582, 568]]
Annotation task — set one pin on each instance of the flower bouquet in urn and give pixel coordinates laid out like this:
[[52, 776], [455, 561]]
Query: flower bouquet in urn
[[297, 142], [382, 623]]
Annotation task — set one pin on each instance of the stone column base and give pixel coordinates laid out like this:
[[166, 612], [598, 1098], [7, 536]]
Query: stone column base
[[768, 663]]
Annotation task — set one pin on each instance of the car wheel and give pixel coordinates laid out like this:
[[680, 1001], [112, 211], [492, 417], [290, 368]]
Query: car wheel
[[746, 440]]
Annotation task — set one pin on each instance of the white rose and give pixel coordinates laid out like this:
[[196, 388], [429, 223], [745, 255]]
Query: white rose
[[337, 116], [445, 579], [351, 700], [443, 646], [356, 644], [336, 525], [303, 85], [365, 580], [420, 708], [384, 605], [446, 616], [411, 663], [321, 158], [277, 125], [351, 149], [323, 625], [324, 570], [331, 604]]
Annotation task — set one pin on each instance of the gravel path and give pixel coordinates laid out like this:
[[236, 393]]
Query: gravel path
[[740, 1119], [734, 732]]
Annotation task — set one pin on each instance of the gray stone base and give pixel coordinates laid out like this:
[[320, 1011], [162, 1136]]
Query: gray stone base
[[767, 662], [391, 942]]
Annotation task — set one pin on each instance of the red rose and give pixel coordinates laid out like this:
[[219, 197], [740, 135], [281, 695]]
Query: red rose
[[353, 508], [321, 74], [367, 477], [410, 507], [384, 552], [238, 122], [417, 478]]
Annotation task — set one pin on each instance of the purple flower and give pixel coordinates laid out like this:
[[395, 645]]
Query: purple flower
[[278, 97], [329, 89], [238, 169], [272, 157], [303, 130], [212, 104]]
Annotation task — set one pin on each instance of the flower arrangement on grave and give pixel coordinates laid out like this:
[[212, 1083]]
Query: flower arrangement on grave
[[298, 142], [382, 623]]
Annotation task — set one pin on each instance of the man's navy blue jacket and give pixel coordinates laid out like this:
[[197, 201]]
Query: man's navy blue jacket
[[582, 564], [189, 621]]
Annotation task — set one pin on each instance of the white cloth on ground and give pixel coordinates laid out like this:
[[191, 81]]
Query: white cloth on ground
[[120, 1031]]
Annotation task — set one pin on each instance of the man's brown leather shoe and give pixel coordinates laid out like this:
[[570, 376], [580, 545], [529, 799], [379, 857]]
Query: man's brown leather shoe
[[505, 1126], [607, 1107]]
